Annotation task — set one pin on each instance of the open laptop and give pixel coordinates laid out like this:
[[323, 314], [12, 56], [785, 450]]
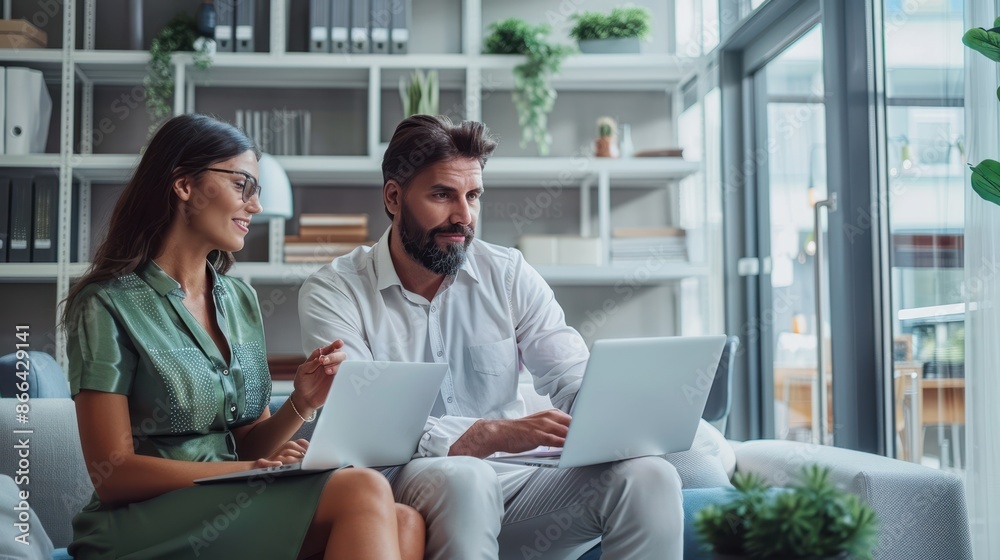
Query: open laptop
[[374, 416], [639, 396]]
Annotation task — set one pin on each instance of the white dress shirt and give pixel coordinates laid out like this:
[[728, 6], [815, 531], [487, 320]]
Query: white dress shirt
[[492, 319]]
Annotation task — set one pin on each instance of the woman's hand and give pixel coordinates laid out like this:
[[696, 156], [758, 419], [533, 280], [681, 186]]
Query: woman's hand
[[289, 452], [314, 377]]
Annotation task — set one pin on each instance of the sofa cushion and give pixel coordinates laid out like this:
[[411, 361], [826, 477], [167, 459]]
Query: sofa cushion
[[59, 483], [709, 463], [21, 530], [46, 378]]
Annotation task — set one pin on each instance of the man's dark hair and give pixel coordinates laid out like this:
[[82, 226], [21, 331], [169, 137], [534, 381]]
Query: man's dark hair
[[424, 140]]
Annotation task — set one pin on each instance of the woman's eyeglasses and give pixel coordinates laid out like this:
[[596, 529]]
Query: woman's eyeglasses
[[249, 186]]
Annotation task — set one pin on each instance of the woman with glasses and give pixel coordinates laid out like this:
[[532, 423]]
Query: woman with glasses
[[169, 373]]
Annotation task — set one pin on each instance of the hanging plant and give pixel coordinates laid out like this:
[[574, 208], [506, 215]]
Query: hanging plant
[[533, 93], [986, 175], [177, 36]]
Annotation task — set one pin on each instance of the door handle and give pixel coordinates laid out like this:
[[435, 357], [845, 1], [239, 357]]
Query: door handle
[[820, 282]]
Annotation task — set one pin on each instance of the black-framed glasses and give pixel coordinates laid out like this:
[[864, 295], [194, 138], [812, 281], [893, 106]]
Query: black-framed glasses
[[250, 186]]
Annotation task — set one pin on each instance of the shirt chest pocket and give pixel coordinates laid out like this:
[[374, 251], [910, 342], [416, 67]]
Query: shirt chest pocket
[[495, 358]]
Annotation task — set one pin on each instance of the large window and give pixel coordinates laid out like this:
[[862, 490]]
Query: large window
[[926, 188]]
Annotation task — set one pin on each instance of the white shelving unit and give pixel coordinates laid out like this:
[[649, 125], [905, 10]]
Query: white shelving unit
[[79, 71]]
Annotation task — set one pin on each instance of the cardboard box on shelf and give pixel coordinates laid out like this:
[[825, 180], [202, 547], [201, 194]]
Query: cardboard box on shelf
[[20, 34], [546, 250]]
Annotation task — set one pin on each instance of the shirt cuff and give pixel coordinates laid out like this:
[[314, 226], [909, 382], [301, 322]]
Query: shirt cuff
[[441, 433]]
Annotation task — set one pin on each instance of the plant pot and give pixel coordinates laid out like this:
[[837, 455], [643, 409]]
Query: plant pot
[[629, 45], [606, 146]]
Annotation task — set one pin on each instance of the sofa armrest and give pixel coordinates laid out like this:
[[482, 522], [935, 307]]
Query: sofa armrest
[[921, 511], [59, 484]]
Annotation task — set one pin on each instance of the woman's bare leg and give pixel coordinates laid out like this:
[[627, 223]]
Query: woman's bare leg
[[355, 518], [411, 532]]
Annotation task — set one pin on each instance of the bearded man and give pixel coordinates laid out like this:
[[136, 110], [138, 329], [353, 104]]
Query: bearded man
[[429, 291]]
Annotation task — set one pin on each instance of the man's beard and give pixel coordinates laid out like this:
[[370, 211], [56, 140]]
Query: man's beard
[[423, 246]]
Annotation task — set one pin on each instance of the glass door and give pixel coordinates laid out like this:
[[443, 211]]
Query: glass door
[[792, 203]]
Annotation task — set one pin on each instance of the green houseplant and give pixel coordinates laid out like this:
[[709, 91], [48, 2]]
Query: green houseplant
[[812, 520], [533, 93], [616, 32], [986, 175], [420, 95], [180, 34]]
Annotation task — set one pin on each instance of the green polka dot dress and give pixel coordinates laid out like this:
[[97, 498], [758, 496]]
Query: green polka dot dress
[[133, 336]]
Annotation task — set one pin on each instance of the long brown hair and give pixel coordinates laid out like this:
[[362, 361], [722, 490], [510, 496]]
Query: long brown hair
[[184, 146], [423, 140]]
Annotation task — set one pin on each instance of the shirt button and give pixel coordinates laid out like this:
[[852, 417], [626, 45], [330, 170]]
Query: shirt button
[[232, 408], [450, 399], [433, 309], [225, 372], [440, 353]]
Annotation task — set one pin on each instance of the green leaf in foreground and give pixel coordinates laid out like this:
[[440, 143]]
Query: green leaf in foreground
[[984, 41], [986, 180]]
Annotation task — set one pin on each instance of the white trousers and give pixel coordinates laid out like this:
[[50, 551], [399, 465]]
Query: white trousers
[[478, 509]]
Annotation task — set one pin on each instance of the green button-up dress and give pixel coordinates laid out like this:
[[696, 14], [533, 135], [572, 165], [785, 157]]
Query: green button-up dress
[[132, 335]]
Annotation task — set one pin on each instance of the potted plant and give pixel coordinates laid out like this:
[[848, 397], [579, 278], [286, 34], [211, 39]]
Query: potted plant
[[617, 32], [606, 144], [812, 520], [533, 93], [420, 95], [986, 175], [181, 34]]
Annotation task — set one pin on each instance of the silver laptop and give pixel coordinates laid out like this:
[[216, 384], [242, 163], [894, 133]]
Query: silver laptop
[[373, 417], [639, 397]]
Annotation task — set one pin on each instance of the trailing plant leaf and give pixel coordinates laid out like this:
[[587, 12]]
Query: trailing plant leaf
[[985, 41], [986, 180], [533, 93], [621, 23], [178, 35], [986, 175]]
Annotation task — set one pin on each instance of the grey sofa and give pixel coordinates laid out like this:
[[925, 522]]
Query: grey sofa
[[922, 511]]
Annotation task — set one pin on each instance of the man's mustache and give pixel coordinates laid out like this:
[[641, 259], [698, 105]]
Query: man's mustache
[[453, 229]]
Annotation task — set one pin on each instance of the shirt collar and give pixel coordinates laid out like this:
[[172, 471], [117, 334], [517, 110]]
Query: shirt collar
[[385, 271], [160, 281]]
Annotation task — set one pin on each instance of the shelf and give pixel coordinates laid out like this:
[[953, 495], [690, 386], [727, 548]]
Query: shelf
[[532, 171], [49, 61], [112, 67], [109, 168], [28, 272], [310, 171], [619, 275], [602, 72], [30, 161], [617, 72], [332, 170], [638, 275]]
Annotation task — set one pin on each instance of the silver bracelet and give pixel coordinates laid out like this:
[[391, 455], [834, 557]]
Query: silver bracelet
[[312, 417]]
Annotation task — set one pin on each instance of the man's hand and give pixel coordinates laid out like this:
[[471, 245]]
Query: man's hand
[[485, 437]]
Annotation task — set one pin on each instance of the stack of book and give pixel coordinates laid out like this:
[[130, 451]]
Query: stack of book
[[636, 245], [323, 237], [278, 132]]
